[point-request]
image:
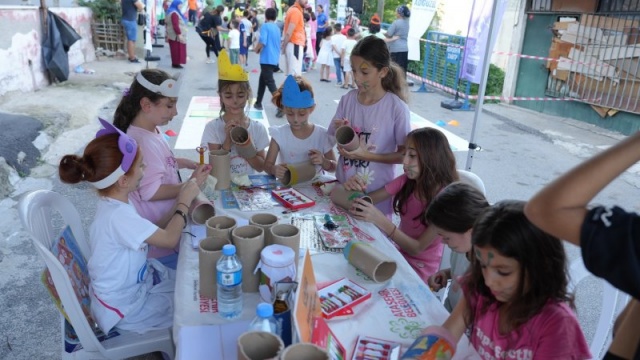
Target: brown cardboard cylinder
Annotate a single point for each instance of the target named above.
(209, 253)
(221, 168)
(304, 351)
(347, 138)
(259, 345)
(249, 241)
(265, 221)
(373, 263)
(220, 226)
(344, 198)
(287, 235)
(298, 173)
(244, 144)
(201, 209)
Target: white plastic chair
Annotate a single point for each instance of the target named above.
(612, 298)
(36, 209)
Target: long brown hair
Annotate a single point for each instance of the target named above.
(437, 168)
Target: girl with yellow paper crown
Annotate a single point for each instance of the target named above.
(234, 91)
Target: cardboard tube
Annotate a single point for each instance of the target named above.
(304, 351)
(347, 138)
(259, 345)
(265, 221)
(244, 144)
(287, 235)
(298, 173)
(370, 261)
(209, 253)
(220, 168)
(249, 241)
(220, 226)
(344, 198)
(201, 209)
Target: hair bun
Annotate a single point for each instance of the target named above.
(403, 10)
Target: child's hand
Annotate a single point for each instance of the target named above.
(316, 157)
(364, 210)
(358, 154)
(340, 122)
(280, 170)
(437, 281)
(188, 191)
(200, 174)
(355, 183)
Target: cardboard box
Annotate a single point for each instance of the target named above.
(339, 295)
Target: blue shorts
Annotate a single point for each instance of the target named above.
(244, 50)
(130, 29)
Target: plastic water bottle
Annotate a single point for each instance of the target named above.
(229, 276)
(264, 320)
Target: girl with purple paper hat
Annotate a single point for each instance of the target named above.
(128, 290)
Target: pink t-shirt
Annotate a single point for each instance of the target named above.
(383, 127)
(161, 168)
(428, 262)
(553, 333)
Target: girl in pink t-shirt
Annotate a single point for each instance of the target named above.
(515, 304)
(429, 165)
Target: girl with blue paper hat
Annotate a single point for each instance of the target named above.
(234, 91)
(299, 140)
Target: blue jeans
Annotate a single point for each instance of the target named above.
(336, 62)
(130, 29)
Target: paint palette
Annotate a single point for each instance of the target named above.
(368, 348)
(340, 295)
(292, 198)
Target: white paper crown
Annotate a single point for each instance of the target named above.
(168, 88)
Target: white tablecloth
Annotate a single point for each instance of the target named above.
(397, 310)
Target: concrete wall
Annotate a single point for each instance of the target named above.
(21, 64)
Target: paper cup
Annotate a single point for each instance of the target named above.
(210, 251)
(298, 173)
(201, 209)
(304, 351)
(287, 235)
(265, 221)
(242, 140)
(373, 263)
(249, 241)
(259, 345)
(347, 138)
(344, 198)
(221, 168)
(220, 226)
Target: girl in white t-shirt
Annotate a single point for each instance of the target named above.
(128, 291)
(299, 140)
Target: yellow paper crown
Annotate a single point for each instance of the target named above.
(228, 71)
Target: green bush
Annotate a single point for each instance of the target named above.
(495, 82)
(103, 9)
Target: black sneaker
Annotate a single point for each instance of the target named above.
(280, 113)
(134, 61)
(257, 106)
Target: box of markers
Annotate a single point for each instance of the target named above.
(292, 198)
(369, 348)
(340, 295)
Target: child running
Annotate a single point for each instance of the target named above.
(234, 91)
(150, 102)
(128, 291)
(378, 113)
(429, 165)
(299, 140)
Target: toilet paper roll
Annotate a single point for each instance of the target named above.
(287, 235)
(201, 209)
(259, 345)
(221, 168)
(265, 221)
(298, 173)
(304, 351)
(244, 144)
(347, 138)
(373, 263)
(249, 241)
(220, 226)
(344, 198)
(210, 251)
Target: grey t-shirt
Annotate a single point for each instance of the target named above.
(129, 10)
(399, 27)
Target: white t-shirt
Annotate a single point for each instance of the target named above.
(294, 150)
(234, 39)
(120, 280)
(337, 40)
(214, 134)
(348, 46)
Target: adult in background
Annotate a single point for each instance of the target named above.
(268, 47)
(177, 34)
(130, 10)
(207, 31)
(294, 37)
(322, 24)
(193, 11)
(245, 37)
(218, 24)
(396, 38)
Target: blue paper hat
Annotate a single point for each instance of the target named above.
(292, 97)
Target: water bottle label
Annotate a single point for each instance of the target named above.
(230, 279)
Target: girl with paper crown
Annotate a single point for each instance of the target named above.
(128, 291)
(150, 102)
(234, 91)
(300, 140)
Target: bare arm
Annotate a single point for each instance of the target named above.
(257, 162)
(561, 206)
(362, 154)
(169, 236)
(456, 323)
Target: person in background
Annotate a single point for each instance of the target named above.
(177, 35)
(130, 10)
(345, 59)
(269, 49)
(396, 38)
(374, 26)
(207, 31)
(234, 42)
(608, 236)
(193, 11)
(245, 33)
(337, 39)
(323, 24)
(325, 56)
(313, 23)
(293, 39)
(221, 25)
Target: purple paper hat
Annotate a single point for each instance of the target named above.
(292, 97)
(128, 147)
